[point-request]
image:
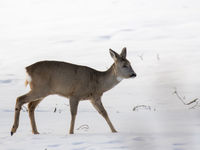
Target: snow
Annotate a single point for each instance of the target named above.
(162, 40)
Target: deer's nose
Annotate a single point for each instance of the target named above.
(133, 75)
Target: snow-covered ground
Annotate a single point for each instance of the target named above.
(163, 41)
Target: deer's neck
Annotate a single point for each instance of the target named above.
(109, 79)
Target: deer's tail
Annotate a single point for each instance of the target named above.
(28, 79)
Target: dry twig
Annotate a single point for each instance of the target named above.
(24, 109)
(182, 99)
(141, 56)
(84, 127)
(136, 108)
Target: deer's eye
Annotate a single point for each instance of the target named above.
(125, 66)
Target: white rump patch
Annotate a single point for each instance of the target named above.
(28, 77)
(119, 79)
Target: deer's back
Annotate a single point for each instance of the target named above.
(64, 79)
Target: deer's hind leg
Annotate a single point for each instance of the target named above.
(29, 97)
(31, 109)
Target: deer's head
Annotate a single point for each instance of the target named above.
(123, 68)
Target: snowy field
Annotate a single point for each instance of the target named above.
(163, 44)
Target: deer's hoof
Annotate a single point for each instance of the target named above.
(114, 131)
(36, 132)
(11, 133)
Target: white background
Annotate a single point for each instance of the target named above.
(162, 40)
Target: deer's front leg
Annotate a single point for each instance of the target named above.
(73, 108)
(99, 107)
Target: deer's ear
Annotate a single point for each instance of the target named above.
(123, 53)
(113, 54)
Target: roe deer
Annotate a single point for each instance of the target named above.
(74, 82)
